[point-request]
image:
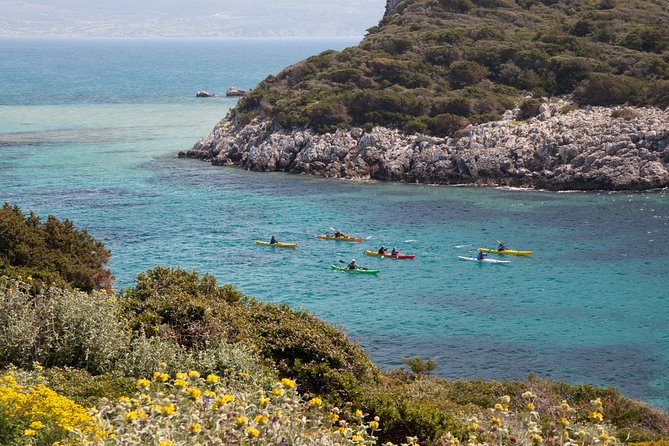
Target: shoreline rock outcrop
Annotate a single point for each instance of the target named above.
(594, 148)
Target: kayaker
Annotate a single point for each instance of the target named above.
(274, 241)
(353, 265)
(382, 250)
(481, 255)
(394, 251)
(339, 234)
(501, 246)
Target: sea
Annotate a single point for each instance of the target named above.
(90, 130)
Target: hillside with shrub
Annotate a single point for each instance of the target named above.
(436, 66)
(179, 359)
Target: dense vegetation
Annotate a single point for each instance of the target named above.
(63, 349)
(434, 66)
(51, 252)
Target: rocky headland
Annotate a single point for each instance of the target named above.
(562, 148)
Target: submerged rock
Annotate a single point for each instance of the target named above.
(584, 149)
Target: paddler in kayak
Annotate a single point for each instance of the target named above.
(273, 241)
(339, 234)
(382, 250)
(353, 265)
(501, 246)
(394, 251)
(481, 255)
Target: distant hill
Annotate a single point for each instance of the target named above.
(435, 66)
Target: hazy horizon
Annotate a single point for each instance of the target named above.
(196, 18)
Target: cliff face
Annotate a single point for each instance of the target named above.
(595, 148)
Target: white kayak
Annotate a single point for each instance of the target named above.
(473, 259)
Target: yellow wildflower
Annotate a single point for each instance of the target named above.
(341, 430)
(454, 441)
(597, 403)
(315, 401)
(596, 416)
(241, 420)
(277, 391)
(358, 413)
(36, 425)
(164, 377)
(530, 406)
(194, 374)
(261, 419)
(212, 378)
(29, 432)
(168, 409)
(565, 405)
(536, 439)
(564, 421)
(252, 432)
(506, 399)
(157, 375)
(473, 426)
(225, 399)
(145, 383)
(288, 382)
(130, 415)
(181, 375)
(334, 416)
(124, 399)
(166, 443)
(495, 421)
(264, 400)
(357, 438)
(194, 392)
(195, 428)
(374, 424)
(180, 383)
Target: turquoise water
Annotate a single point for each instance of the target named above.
(97, 143)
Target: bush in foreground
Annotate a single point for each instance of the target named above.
(51, 252)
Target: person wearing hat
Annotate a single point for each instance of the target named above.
(352, 265)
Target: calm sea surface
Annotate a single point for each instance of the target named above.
(89, 130)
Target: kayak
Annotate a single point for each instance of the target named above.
(278, 245)
(357, 270)
(393, 256)
(345, 239)
(473, 259)
(508, 251)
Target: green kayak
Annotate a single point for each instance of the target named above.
(357, 270)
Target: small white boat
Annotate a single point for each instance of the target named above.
(473, 259)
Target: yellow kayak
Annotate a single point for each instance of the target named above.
(278, 245)
(507, 251)
(345, 238)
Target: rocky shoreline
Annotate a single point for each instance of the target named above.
(563, 148)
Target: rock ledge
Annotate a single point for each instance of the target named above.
(610, 148)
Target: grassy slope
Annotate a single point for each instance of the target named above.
(435, 66)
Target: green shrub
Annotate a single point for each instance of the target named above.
(530, 107)
(196, 313)
(463, 73)
(53, 251)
